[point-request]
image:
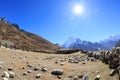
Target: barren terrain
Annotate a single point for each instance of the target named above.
(19, 60)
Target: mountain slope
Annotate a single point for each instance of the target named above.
(71, 41)
(22, 39)
(118, 44)
(111, 41)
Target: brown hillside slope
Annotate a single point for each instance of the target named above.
(24, 40)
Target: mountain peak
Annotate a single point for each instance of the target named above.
(71, 40)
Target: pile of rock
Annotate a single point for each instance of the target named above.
(112, 58)
(114, 62)
(95, 54)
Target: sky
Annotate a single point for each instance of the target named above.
(56, 20)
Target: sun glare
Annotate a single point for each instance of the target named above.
(78, 9)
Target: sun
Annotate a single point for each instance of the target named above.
(78, 9)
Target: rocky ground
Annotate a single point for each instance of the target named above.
(22, 65)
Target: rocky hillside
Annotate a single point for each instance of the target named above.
(118, 44)
(13, 35)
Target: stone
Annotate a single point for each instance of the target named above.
(29, 71)
(25, 73)
(10, 69)
(56, 62)
(70, 76)
(80, 76)
(1, 62)
(83, 63)
(22, 67)
(97, 71)
(71, 61)
(59, 76)
(29, 65)
(36, 68)
(118, 70)
(5, 74)
(4, 78)
(76, 62)
(61, 63)
(1, 66)
(75, 78)
(11, 74)
(86, 77)
(38, 75)
(112, 73)
(57, 72)
(93, 59)
(44, 69)
(97, 77)
(62, 60)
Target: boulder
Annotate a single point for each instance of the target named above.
(57, 72)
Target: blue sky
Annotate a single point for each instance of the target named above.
(55, 20)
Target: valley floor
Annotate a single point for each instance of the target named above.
(19, 60)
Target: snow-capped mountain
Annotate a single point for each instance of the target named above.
(111, 41)
(74, 42)
(71, 40)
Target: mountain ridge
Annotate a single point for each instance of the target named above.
(107, 44)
